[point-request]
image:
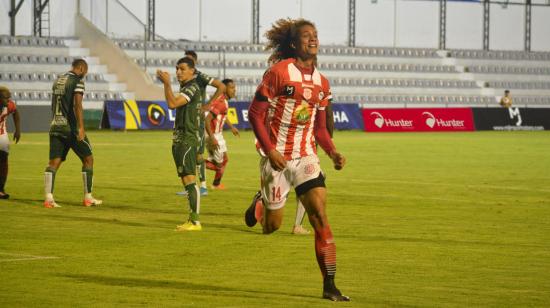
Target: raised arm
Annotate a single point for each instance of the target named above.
(172, 100)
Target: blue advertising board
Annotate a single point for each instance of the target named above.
(130, 115)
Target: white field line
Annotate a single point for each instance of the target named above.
(24, 257)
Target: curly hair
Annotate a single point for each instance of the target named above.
(282, 35)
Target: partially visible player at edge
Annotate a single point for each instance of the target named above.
(203, 81)
(67, 132)
(288, 116)
(7, 107)
(185, 139)
(215, 120)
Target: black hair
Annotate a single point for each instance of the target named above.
(79, 62)
(506, 91)
(190, 63)
(227, 81)
(192, 53)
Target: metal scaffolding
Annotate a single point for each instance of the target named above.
(151, 20)
(486, 23)
(351, 26)
(41, 17)
(442, 23)
(528, 25)
(255, 21)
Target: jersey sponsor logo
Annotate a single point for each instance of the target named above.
(309, 169)
(321, 95)
(307, 93)
(302, 114)
(156, 115)
(289, 90)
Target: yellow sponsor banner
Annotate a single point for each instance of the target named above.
(232, 115)
(131, 112)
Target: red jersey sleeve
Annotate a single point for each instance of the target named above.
(265, 92)
(11, 106)
(217, 105)
(327, 94)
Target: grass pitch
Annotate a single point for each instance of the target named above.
(448, 219)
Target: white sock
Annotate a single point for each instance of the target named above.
(300, 212)
(49, 196)
(88, 196)
(203, 184)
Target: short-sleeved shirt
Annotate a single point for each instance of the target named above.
(294, 98)
(186, 124)
(64, 88)
(7, 109)
(219, 112)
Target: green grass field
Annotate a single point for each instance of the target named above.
(448, 219)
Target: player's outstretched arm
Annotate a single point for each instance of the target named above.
(220, 89)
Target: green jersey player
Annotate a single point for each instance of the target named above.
(67, 132)
(187, 104)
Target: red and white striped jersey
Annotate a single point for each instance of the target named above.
(6, 110)
(294, 96)
(218, 109)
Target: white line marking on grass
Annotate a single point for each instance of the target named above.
(23, 257)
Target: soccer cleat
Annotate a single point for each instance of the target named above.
(330, 291)
(300, 230)
(218, 187)
(190, 226)
(203, 191)
(50, 204)
(250, 214)
(91, 202)
(3, 195)
(182, 193)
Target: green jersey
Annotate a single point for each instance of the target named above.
(203, 81)
(64, 89)
(186, 125)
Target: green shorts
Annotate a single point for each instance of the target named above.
(185, 157)
(60, 144)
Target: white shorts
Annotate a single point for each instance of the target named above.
(5, 143)
(217, 155)
(276, 184)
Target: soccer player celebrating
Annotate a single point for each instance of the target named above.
(203, 81)
(185, 136)
(67, 132)
(216, 118)
(288, 116)
(7, 107)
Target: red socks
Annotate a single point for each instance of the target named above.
(325, 250)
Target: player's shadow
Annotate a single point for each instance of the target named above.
(178, 285)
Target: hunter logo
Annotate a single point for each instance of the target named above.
(289, 90)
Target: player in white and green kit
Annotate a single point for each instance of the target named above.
(187, 104)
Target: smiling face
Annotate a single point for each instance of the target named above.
(230, 90)
(307, 44)
(184, 73)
